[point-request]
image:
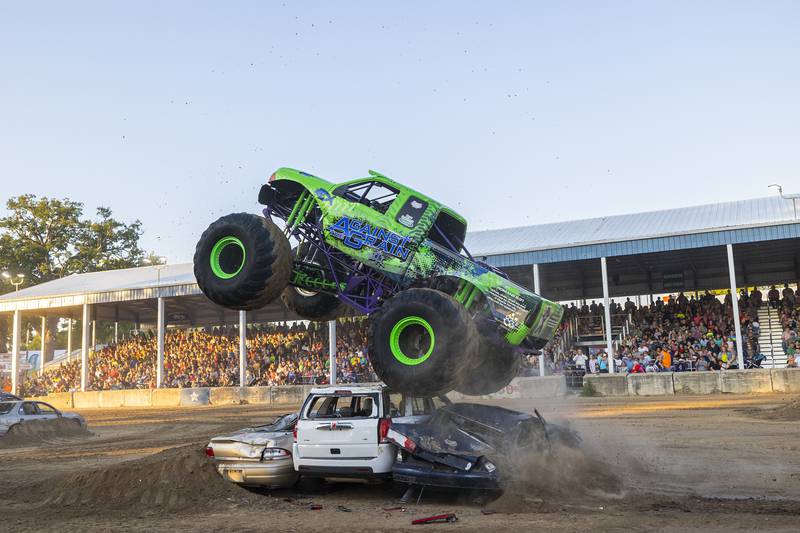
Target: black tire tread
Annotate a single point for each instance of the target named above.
(320, 307)
(461, 343)
(269, 273)
(496, 365)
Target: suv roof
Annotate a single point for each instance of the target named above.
(350, 388)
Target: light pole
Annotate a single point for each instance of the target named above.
(792, 197)
(16, 280)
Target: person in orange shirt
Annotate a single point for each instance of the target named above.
(666, 360)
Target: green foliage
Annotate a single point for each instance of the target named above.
(48, 238)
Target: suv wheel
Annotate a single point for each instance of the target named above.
(421, 342)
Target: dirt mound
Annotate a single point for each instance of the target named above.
(174, 479)
(543, 480)
(787, 412)
(38, 432)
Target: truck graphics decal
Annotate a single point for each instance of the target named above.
(356, 234)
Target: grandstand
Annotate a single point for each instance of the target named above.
(719, 246)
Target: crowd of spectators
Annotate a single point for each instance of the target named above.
(688, 333)
(677, 334)
(276, 355)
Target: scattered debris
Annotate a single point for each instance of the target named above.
(398, 508)
(343, 509)
(314, 507)
(435, 519)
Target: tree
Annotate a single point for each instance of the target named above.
(48, 238)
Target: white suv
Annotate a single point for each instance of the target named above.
(342, 430)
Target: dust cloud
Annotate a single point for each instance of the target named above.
(38, 432)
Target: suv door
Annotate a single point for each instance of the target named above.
(334, 426)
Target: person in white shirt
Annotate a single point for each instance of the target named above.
(580, 360)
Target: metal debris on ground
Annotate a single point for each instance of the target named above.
(344, 509)
(436, 519)
(315, 507)
(401, 509)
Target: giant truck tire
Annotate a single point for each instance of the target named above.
(496, 365)
(311, 305)
(242, 261)
(421, 342)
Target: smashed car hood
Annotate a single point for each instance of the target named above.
(253, 437)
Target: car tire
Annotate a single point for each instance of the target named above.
(311, 305)
(496, 365)
(421, 341)
(242, 261)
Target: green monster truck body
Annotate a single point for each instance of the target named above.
(440, 319)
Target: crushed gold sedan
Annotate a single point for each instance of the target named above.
(259, 456)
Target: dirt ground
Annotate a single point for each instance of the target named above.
(717, 463)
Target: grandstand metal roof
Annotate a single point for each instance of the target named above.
(673, 226)
(747, 221)
(106, 287)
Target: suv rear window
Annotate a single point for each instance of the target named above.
(326, 407)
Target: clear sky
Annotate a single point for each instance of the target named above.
(513, 113)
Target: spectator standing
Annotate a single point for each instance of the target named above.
(580, 360)
(774, 297)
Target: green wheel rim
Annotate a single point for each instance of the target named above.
(229, 271)
(397, 331)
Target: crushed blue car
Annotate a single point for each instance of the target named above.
(458, 445)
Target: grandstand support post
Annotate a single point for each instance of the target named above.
(160, 356)
(116, 332)
(735, 303)
(332, 350)
(69, 340)
(242, 348)
(43, 343)
(537, 290)
(15, 351)
(85, 347)
(607, 311)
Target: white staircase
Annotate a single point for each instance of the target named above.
(770, 338)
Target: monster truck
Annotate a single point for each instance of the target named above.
(440, 319)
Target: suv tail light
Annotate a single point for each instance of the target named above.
(209, 451)
(383, 429)
(294, 432)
